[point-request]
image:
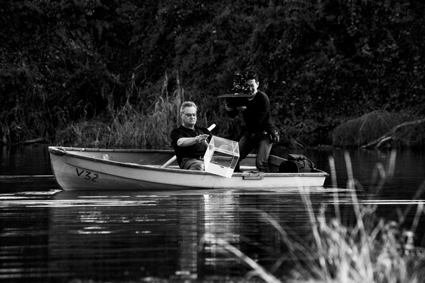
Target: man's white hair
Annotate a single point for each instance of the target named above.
(187, 104)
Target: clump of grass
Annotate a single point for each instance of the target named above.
(370, 250)
(84, 133)
(127, 128)
(362, 130)
(132, 129)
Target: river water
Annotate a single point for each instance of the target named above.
(48, 235)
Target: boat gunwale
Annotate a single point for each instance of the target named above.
(89, 149)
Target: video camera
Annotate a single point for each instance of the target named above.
(239, 85)
(238, 94)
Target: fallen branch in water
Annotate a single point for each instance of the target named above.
(390, 136)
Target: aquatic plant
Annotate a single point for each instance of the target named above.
(371, 249)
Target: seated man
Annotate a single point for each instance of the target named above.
(190, 141)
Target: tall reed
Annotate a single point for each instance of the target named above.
(371, 249)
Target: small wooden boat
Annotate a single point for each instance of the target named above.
(124, 169)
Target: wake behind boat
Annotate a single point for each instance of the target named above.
(85, 169)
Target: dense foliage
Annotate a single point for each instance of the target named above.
(321, 62)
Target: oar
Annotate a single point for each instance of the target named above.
(172, 159)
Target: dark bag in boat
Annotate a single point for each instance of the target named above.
(296, 163)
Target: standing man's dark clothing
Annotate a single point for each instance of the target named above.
(260, 130)
(256, 115)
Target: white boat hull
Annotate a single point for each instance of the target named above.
(87, 169)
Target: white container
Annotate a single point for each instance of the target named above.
(221, 156)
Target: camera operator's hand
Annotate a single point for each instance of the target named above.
(241, 108)
(228, 108)
(274, 135)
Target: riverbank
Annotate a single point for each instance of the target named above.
(127, 127)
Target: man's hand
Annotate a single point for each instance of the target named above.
(201, 138)
(274, 135)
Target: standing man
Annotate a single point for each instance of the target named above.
(260, 131)
(190, 141)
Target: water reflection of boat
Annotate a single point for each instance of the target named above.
(120, 169)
